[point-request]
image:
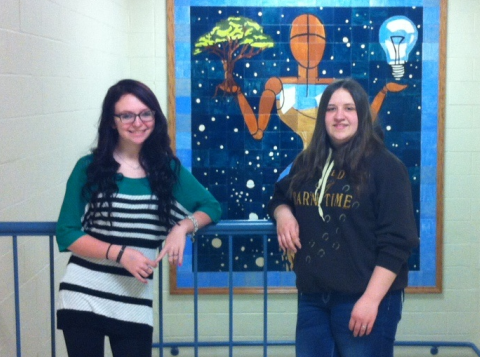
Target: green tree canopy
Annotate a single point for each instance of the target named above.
(233, 39)
(234, 34)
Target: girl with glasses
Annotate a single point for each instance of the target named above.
(125, 200)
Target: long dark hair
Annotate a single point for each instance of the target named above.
(349, 156)
(156, 155)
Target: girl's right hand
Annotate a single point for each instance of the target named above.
(287, 229)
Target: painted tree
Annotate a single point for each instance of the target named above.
(232, 40)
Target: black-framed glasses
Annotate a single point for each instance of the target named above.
(128, 117)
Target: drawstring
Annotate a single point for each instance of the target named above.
(320, 189)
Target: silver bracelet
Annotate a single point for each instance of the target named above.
(195, 225)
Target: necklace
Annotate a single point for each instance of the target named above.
(138, 167)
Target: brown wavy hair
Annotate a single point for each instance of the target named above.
(349, 156)
(156, 156)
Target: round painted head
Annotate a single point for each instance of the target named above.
(307, 40)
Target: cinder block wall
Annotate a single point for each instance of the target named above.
(57, 59)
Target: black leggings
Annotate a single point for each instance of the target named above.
(83, 342)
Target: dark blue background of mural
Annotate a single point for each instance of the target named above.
(225, 156)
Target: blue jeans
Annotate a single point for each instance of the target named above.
(322, 326)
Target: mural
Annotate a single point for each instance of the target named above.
(255, 78)
(235, 69)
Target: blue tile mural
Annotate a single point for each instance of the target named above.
(238, 146)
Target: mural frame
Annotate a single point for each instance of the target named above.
(429, 279)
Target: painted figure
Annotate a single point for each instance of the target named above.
(297, 98)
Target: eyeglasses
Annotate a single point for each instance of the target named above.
(128, 118)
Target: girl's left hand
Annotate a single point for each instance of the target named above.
(365, 310)
(174, 245)
(363, 316)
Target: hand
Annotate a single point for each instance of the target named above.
(287, 229)
(229, 87)
(174, 245)
(365, 310)
(137, 264)
(395, 87)
(363, 316)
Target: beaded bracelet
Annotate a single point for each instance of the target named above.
(120, 253)
(195, 225)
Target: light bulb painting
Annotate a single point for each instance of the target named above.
(398, 36)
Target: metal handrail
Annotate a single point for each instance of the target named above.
(229, 228)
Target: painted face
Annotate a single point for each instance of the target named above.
(136, 132)
(341, 118)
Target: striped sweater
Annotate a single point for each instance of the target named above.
(100, 293)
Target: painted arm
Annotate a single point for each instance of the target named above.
(380, 97)
(267, 101)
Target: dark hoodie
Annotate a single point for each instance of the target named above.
(358, 231)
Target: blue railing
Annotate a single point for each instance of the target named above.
(225, 228)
